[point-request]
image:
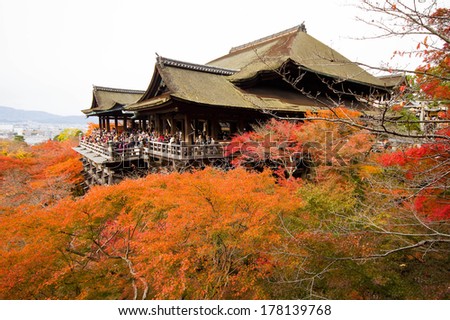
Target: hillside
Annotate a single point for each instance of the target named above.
(356, 228)
(11, 115)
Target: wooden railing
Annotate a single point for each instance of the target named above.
(112, 153)
(183, 151)
(96, 148)
(163, 150)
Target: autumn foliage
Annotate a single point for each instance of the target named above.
(214, 234)
(425, 171)
(296, 149)
(308, 211)
(167, 237)
(434, 73)
(38, 175)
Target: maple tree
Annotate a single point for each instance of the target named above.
(294, 149)
(14, 160)
(375, 210)
(428, 25)
(38, 175)
(32, 178)
(91, 128)
(68, 134)
(415, 178)
(167, 236)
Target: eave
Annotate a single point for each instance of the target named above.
(149, 103)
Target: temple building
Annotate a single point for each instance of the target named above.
(107, 105)
(284, 74)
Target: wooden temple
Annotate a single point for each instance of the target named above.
(284, 74)
(108, 105)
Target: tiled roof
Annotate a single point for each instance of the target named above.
(196, 67)
(218, 83)
(272, 52)
(105, 98)
(118, 90)
(211, 89)
(269, 38)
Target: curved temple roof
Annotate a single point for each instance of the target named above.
(206, 85)
(106, 99)
(296, 45)
(218, 83)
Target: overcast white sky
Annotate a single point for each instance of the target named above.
(53, 51)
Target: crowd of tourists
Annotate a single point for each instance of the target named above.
(137, 138)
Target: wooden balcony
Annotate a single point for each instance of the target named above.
(184, 152)
(153, 150)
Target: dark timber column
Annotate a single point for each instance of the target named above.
(214, 128)
(187, 129)
(100, 124)
(148, 126)
(172, 125)
(164, 124)
(125, 119)
(116, 123)
(158, 124)
(108, 126)
(241, 125)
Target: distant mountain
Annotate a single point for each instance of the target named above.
(11, 115)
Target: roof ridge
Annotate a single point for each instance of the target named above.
(119, 90)
(300, 27)
(194, 66)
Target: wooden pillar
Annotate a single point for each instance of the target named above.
(116, 123)
(172, 127)
(103, 177)
(164, 124)
(108, 125)
(125, 119)
(187, 129)
(241, 125)
(208, 127)
(158, 124)
(214, 128)
(100, 123)
(110, 176)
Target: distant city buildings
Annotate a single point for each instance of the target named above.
(35, 132)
